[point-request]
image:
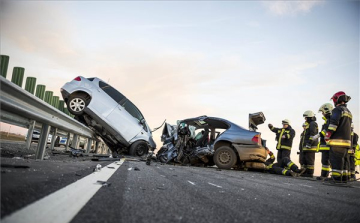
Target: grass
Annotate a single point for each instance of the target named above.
(11, 136)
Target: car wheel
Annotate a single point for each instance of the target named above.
(163, 159)
(77, 103)
(225, 157)
(139, 149)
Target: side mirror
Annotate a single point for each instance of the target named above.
(142, 121)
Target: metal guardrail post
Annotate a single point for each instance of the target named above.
(29, 135)
(67, 141)
(53, 139)
(97, 143)
(4, 63)
(75, 141)
(40, 152)
(89, 144)
(30, 84)
(40, 91)
(18, 76)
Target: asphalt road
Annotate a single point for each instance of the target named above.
(165, 193)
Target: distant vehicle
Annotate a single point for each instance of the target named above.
(110, 114)
(36, 137)
(221, 141)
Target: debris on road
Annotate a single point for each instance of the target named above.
(104, 183)
(97, 168)
(111, 167)
(14, 166)
(76, 152)
(136, 169)
(105, 159)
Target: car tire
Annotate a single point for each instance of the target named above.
(139, 148)
(163, 159)
(77, 103)
(225, 157)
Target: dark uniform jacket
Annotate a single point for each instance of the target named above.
(309, 144)
(354, 142)
(324, 128)
(340, 126)
(289, 134)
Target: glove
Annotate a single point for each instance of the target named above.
(308, 146)
(270, 126)
(327, 137)
(315, 137)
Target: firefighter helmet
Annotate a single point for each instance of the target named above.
(326, 108)
(340, 97)
(286, 122)
(308, 114)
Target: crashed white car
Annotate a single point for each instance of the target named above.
(110, 114)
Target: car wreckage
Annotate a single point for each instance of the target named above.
(208, 141)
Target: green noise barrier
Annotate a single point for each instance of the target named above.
(18, 76)
(48, 97)
(4, 64)
(55, 101)
(30, 84)
(61, 105)
(40, 91)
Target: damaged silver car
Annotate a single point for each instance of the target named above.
(218, 141)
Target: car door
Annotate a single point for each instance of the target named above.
(105, 99)
(125, 118)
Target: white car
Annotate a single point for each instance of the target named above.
(110, 114)
(36, 136)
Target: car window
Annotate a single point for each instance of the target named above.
(112, 92)
(134, 111)
(91, 79)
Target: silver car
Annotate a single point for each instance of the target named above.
(233, 145)
(110, 114)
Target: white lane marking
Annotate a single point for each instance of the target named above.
(215, 185)
(191, 182)
(63, 205)
(304, 185)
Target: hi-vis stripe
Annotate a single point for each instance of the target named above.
(346, 114)
(339, 142)
(332, 127)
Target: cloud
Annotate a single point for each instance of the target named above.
(292, 8)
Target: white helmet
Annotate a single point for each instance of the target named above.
(326, 108)
(286, 122)
(309, 114)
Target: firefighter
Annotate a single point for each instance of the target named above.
(284, 137)
(338, 136)
(354, 140)
(310, 142)
(325, 109)
(286, 167)
(357, 152)
(301, 154)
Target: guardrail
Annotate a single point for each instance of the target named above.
(21, 108)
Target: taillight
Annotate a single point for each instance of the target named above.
(77, 79)
(257, 139)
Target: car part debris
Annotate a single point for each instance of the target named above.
(104, 183)
(76, 152)
(14, 166)
(97, 168)
(105, 159)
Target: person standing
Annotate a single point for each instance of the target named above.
(284, 138)
(354, 146)
(310, 143)
(301, 153)
(325, 109)
(338, 136)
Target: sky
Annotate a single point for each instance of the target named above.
(182, 59)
